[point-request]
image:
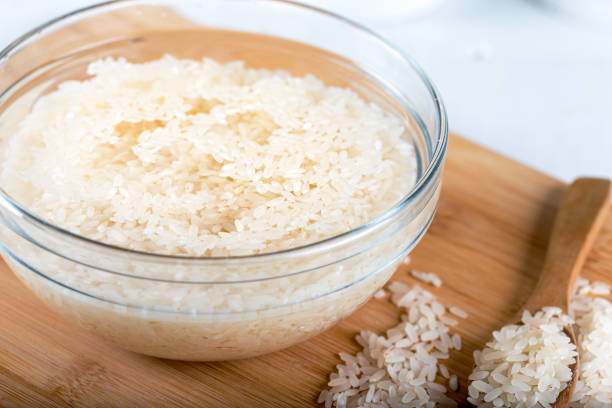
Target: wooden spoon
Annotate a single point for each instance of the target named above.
(579, 219)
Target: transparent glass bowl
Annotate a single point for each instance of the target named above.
(217, 308)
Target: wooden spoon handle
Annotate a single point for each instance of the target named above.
(579, 219)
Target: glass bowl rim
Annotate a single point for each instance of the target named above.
(437, 157)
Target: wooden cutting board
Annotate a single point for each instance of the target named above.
(487, 243)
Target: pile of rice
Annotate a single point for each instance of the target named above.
(399, 369)
(594, 335)
(201, 158)
(525, 365)
(529, 365)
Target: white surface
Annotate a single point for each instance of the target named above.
(531, 79)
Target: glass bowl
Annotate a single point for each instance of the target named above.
(218, 308)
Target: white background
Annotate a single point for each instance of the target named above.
(531, 79)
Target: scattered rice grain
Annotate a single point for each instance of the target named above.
(426, 277)
(400, 368)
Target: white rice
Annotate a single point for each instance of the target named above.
(426, 277)
(458, 312)
(453, 383)
(381, 293)
(594, 335)
(525, 365)
(399, 368)
(593, 326)
(201, 158)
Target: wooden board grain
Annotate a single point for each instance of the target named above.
(487, 243)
